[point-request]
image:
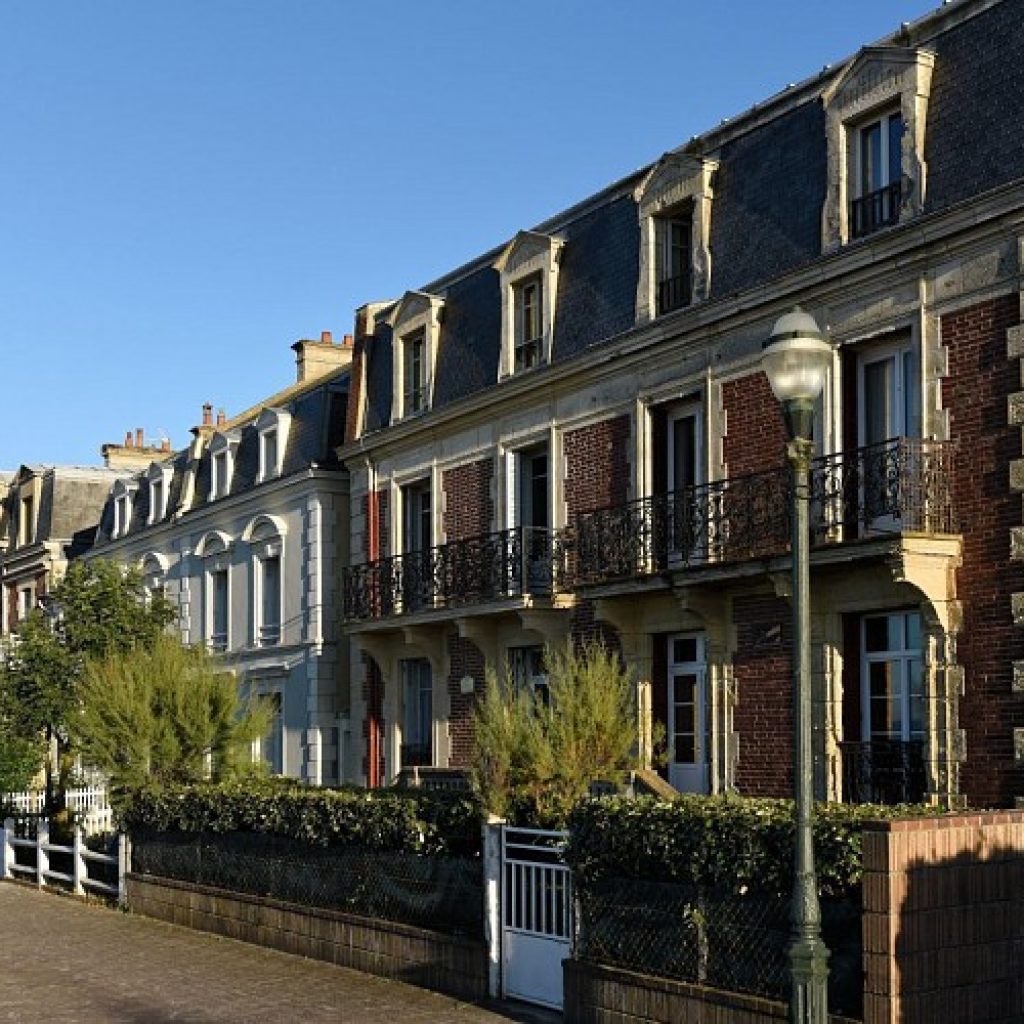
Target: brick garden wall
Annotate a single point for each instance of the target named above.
(975, 392)
(943, 920)
(755, 437)
(468, 500)
(465, 658)
(597, 466)
(763, 715)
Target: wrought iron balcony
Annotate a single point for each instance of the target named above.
(876, 210)
(510, 563)
(673, 293)
(899, 486)
(883, 772)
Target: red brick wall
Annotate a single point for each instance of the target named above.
(584, 628)
(597, 467)
(943, 919)
(465, 659)
(468, 500)
(755, 437)
(764, 690)
(975, 393)
(355, 394)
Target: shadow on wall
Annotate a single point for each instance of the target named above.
(959, 944)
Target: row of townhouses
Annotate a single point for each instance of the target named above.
(571, 437)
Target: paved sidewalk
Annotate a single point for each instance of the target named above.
(66, 962)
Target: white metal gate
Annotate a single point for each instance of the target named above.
(536, 915)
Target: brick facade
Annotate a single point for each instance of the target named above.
(468, 491)
(975, 392)
(597, 468)
(763, 717)
(755, 434)
(584, 628)
(373, 721)
(465, 659)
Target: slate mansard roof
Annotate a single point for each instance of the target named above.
(317, 426)
(769, 186)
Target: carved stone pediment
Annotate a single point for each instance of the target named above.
(526, 247)
(877, 73)
(673, 179)
(412, 306)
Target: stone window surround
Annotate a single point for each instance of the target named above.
(124, 497)
(878, 80)
(271, 421)
(215, 551)
(222, 445)
(416, 312)
(529, 254)
(677, 178)
(158, 473)
(265, 536)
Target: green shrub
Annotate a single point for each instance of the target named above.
(407, 820)
(726, 842)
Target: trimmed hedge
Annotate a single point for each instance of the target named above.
(414, 821)
(741, 844)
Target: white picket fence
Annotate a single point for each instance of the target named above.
(89, 806)
(80, 879)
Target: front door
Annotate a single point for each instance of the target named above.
(687, 713)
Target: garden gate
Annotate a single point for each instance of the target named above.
(536, 914)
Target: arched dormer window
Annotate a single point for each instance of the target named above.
(123, 493)
(272, 426)
(215, 551)
(528, 268)
(415, 326)
(223, 447)
(265, 536)
(158, 478)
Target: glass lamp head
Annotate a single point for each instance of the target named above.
(796, 359)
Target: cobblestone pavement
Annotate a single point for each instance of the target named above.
(66, 962)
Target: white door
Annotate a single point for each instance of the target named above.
(687, 713)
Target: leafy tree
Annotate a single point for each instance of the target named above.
(19, 759)
(166, 714)
(98, 608)
(536, 758)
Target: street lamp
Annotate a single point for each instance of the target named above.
(796, 359)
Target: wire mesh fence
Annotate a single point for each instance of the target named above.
(441, 893)
(721, 939)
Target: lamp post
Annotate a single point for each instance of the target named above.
(796, 359)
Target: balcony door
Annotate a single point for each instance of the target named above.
(888, 408)
(530, 513)
(416, 545)
(687, 713)
(686, 512)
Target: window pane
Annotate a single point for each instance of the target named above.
(871, 158)
(876, 633)
(878, 392)
(913, 631)
(684, 650)
(895, 147)
(685, 748)
(883, 680)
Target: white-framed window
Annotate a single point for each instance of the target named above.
(26, 520)
(26, 601)
(528, 671)
(217, 610)
(159, 477)
(876, 111)
(414, 352)
(272, 426)
(154, 575)
(270, 747)
(416, 327)
(269, 596)
(892, 691)
(876, 190)
(528, 268)
(417, 712)
(674, 207)
(124, 499)
(222, 464)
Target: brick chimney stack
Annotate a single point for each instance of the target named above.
(207, 414)
(315, 359)
(221, 418)
(134, 453)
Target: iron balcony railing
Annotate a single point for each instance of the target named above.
(902, 485)
(883, 772)
(878, 209)
(510, 563)
(673, 293)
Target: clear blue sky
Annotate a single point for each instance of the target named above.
(188, 186)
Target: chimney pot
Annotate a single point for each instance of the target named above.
(165, 444)
(325, 338)
(221, 418)
(347, 340)
(207, 414)
(140, 438)
(127, 439)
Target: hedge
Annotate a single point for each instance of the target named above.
(415, 821)
(741, 844)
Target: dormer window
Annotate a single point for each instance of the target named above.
(529, 286)
(26, 520)
(527, 300)
(875, 115)
(674, 207)
(272, 426)
(416, 327)
(124, 493)
(159, 477)
(222, 464)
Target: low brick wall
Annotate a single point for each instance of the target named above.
(445, 963)
(595, 994)
(944, 920)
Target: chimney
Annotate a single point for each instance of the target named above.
(221, 418)
(127, 439)
(165, 444)
(140, 438)
(314, 359)
(134, 453)
(207, 414)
